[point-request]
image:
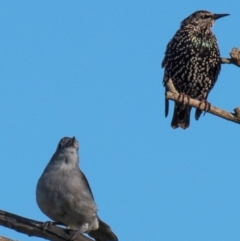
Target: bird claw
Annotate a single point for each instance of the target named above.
(46, 225)
(207, 105)
(184, 99)
(49, 223)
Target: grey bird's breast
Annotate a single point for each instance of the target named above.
(63, 196)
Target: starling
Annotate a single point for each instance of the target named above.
(192, 62)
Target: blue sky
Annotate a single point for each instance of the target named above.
(91, 69)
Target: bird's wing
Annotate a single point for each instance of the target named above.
(85, 182)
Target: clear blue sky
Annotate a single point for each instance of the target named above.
(91, 69)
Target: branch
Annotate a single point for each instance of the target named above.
(235, 57)
(38, 229)
(234, 117)
(5, 239)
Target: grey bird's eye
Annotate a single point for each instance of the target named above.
(59, 146)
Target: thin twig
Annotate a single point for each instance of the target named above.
(5, 239)
(235, 57)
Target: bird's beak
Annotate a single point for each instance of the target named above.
(217, 16)
(73, 140)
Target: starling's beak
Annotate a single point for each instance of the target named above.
(217, 16)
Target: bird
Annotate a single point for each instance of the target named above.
(192, 62)
(64, 194)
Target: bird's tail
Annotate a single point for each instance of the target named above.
(181, 116)
(103, 233)
(198, 114)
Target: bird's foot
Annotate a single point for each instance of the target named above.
(46, 225)
(183, 98)
(49, 223)
(207, 105)
(82, 230)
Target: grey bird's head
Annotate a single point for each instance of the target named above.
(202, 19)
(67, 142)
(67, 151)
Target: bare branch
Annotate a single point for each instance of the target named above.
(234, 117)
(235, 57)
(35, 228)
(5, 239)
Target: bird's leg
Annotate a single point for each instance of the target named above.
(207, 105)
(82, 230)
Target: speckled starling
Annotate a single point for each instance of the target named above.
(192, 62)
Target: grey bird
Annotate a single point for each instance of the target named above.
(192, 61)
(64, 195)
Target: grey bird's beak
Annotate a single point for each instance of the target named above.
(217, 16)
(73, 140)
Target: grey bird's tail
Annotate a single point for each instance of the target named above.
(103, 233)
(181, 116)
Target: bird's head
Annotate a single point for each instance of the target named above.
(67, 142)
(202, 19)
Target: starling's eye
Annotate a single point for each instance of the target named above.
(59, 146)
(204, 16)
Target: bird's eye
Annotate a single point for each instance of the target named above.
(59, 146)
(204, 16)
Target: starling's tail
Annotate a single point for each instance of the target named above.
(103, 233)
(181, 116)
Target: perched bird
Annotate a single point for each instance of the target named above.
(64, 195)
(192, 61)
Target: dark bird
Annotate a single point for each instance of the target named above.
(64, 195)
(192, 62)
